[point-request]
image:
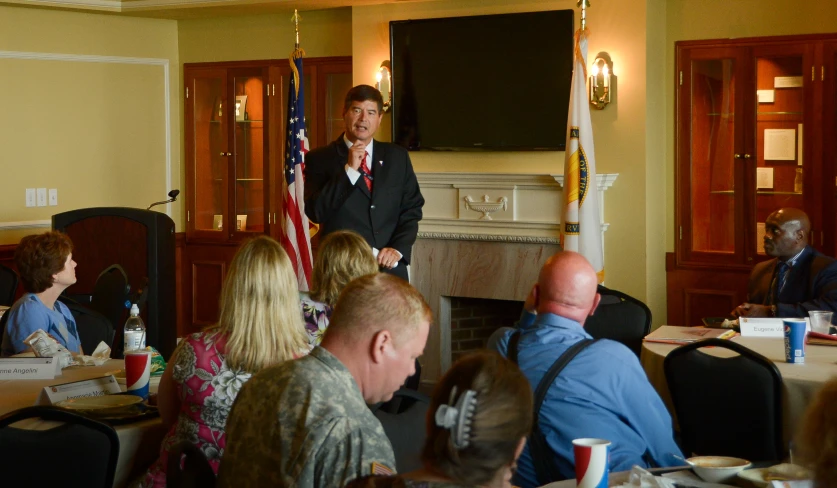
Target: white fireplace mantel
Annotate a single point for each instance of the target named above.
(497, 206)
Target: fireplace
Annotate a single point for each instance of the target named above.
(473, 320)
(483, 237)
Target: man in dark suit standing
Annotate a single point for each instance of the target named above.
(799, 278)
(364, 185)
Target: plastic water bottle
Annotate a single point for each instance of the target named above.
(134, 333)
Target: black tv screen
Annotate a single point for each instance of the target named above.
(491, 82)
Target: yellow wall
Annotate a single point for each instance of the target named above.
(620, 130)
(322, 33)
(94, 131)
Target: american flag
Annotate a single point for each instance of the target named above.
(295, 237)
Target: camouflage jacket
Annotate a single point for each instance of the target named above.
(302, 423)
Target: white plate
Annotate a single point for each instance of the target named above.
(100, 403)
(755, 476)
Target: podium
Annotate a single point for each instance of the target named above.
(142, 242)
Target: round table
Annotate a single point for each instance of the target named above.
(801, 381)
(139, 442)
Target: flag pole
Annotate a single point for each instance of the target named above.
(298, 52)
(583, 4)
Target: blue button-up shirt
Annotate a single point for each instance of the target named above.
(602, 393)
(30, 314)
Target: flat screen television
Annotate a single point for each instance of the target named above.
(491, 82)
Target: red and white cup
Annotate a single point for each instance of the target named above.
(138, 372)
(592, 457)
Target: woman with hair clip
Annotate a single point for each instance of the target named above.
(343, 256)
(479, 417)
(259, 326)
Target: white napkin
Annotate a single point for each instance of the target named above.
(100, 355)
(792, 484)
(643, 479)
(375, 252)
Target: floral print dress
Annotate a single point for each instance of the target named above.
(207, 390)
(316, 316)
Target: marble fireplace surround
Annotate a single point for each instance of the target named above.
(468, 249)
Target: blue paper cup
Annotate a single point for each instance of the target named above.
(794, 340)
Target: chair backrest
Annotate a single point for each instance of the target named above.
(8, 285)
(109, 295)
(81, 452)
(188, 468)
(403, 420)
(621, 318)
(726, 406)
(93, 327)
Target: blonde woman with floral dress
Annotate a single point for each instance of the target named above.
(343, 256)
(259, 326)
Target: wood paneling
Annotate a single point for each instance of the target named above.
(203, 271)
(697, 292)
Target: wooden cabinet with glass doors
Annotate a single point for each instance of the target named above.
(750, 140)
(234, 144)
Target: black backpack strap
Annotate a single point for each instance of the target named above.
(539, 449)
(511, 349)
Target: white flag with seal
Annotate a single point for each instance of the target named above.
(581, 229)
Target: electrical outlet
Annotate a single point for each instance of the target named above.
(42, 197)
(53, 197)
(30, 197)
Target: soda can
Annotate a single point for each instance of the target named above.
(794, 340)
(592, 457)
(138, 372)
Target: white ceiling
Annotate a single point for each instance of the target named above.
(189, 9)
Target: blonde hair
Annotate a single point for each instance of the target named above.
(376, 302)
(817, 440)
(260, 313)
(503, 416)
(343, 256)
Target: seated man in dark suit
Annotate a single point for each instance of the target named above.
(799, 278)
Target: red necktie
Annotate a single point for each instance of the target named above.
(367, 175)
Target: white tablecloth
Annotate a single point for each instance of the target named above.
(801, 381)
(139, 443)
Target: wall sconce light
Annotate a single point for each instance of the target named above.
(384, 83)
(601, 82)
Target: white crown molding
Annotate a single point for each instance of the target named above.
(91, 58)
(25, 224)
(489, 238)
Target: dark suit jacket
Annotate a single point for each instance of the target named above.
(811, 284)
(388, 217)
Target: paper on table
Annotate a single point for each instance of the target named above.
(100, 355)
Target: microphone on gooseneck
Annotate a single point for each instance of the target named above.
(172, 198)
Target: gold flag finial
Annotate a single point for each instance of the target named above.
(296, 18)
(584, 4)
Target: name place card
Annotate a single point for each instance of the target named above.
(28, 368)
(761, 327)
(101, 386)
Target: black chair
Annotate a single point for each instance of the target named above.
(8, 285)
(726, 406)
(80, 452)
(621, 318)
(110, 293)
(188, 468)
(403, 420)
(93, 327)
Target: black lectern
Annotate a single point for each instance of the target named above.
(142, 242)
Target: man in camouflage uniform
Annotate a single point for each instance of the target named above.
(306, 422)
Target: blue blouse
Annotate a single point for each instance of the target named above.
(30, 314)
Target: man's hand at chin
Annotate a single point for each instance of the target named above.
(752, 310)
